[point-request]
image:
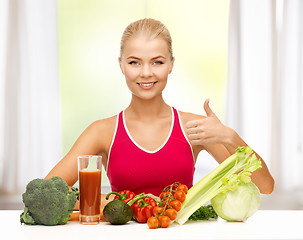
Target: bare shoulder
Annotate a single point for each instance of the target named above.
(104, 128)
(187, 116)
(94, 140)
(105, 124)
(101, 132)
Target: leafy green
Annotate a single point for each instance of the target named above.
(234, 170)
(204, 213)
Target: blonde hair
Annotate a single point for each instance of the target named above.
(151, 27)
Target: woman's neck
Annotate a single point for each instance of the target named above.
(147, 109)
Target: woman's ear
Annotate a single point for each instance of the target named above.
(172, 65)
(120, 64)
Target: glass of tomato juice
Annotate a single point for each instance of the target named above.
(89, 167)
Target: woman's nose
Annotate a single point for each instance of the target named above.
(146, 71)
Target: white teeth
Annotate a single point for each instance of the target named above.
(146, 84)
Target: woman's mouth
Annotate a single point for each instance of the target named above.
(147, 85)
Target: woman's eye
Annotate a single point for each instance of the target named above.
(133, 63)
(158, 63)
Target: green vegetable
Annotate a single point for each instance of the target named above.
(204, 213)
(26, 218)
(234, 170)
(237, 205)
(47, 202)
(117, 212)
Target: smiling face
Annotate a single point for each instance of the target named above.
(146, 63)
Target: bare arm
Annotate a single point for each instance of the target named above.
(95, 140)
(221, 141)
(262, 177)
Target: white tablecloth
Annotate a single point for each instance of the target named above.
(266, 224)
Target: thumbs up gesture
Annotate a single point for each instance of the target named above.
(208, 130)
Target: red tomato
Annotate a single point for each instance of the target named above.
(176, 204)
(171, 213)
(180, 195)
(166, 201)
(152, 222)
(165, 195)
(183, 187)
(162, 195)
(164, 221)
(157, 210)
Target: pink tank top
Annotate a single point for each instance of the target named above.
(132, 167)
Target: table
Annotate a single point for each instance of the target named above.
(265, 224)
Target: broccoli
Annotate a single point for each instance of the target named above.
(47, 202)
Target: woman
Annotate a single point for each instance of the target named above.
(150, 144)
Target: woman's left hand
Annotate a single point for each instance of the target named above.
(208, 130)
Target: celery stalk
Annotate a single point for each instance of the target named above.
(227, 176)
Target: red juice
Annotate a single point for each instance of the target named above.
(90, 192)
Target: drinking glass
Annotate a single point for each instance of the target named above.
(89, 167)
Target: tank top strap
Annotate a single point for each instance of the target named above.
(121, 131)
(178, 131)
(119, 134)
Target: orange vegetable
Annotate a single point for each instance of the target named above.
(176, 204)
(183, 188)
(164, 221)
(180, 195)
(158, 210)
(152, 222)
(171, 213)
(74, 216)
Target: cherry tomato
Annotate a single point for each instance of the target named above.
(171, 213)
(176, 204)
(164, 221)
(157, 210)
(167, 200)
(164, 195)
(183, 188)
(180, 195)
(152, 222)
